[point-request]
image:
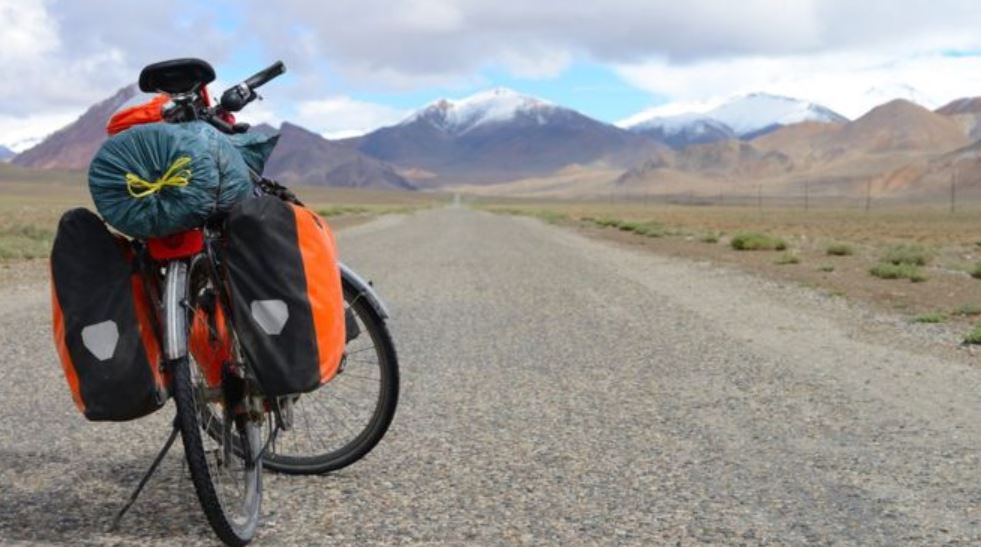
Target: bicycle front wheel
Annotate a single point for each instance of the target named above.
(228, 482)
(343, 420)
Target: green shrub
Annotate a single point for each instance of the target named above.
(709, 238)
(932, 317)
(976, 272)
(788, 258)
(649, 228)
(973, 337)
(887, 270)
(608, 222)
(840, 249)
(913, 255)
(752, 241)
(826, 268)
(968, 310)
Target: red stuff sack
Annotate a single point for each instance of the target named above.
(148, 112)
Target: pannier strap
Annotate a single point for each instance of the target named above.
(176, 175)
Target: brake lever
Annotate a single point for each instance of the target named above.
(237, 97)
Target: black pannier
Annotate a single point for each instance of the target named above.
(103, 322)
(287, 301)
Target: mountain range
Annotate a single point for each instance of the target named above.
(502, 142)
(496, 136)
(743, 117)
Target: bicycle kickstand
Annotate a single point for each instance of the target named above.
(146, 477)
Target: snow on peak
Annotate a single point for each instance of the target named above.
(758, 111)
(692, 122)
(744, 115)
(499, 104)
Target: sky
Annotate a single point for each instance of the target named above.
(353, 66)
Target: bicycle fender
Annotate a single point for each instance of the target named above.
(364, 289)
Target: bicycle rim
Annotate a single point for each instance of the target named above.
(228, 486)
(342, 421)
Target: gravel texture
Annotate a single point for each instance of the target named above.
(556, 390)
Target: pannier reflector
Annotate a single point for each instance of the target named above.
(270, 315)
(101, 339)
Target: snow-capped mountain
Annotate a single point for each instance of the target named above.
(744, 117)
(487, 107)
(6, 153)
(19, 146)
(496, 135)
(684, 129)
(757, 113)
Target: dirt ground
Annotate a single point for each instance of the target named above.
(953, 242)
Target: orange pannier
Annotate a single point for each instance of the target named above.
(148, 112)
(287, 303)
(104, 322)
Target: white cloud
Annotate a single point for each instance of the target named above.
(850, 83)
(28, 31)
(413, 44)
(341, 116)
(20, 132)
(64, 55)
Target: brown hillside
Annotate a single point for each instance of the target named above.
(966, 113)
(304, 157)
(73, 146)
(965, 105)
(796, 140)
(898, 125)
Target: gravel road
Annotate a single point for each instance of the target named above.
(556, 390)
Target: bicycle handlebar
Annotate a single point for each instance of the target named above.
(237, 97)
(266, 74)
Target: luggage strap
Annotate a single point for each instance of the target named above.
(177, 175)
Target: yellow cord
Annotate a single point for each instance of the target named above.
(176, 175)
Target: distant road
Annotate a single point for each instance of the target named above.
(557, 390)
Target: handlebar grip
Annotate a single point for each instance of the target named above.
(263, 76)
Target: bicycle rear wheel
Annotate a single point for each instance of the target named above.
(343, 420)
